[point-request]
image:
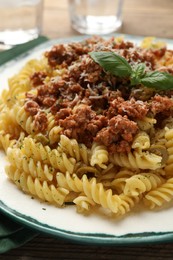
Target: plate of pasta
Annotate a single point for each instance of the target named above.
(86, 138)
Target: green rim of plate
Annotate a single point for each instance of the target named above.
(89, 238)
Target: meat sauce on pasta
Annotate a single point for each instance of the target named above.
(73, 132)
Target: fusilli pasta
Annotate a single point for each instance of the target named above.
(74, 132)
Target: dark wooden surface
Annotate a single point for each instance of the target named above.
(47, 247)
(149, 17)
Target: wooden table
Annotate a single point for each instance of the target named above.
(149, 17)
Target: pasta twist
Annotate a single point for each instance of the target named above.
(54, 134)
(17, 85)
(6, 141)
(52, 131)
(147, 123)
(96, 192)
(158, 137)
(160, 196)
(28, 165)
(169, 146)
(91, 189)
(70, 182)
(35, 65)
(83, 203)
(35, 187)
(141, 141)
(107, 176)
(8, 124)
(127, 203)
(118, 184)
(50, 156)
(23, 119)
(141, 183)
(116, 180)
(71, 147)
(137, 160)
(61, 161)
(28, 124)
(5, 98)
(99, 155)
(81, 168)
(37, 150)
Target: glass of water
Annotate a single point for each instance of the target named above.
(20, 21)
(96, 16)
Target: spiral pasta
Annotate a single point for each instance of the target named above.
(54, 134)
(8, 124)
(146, 124)
(119, 180)
(42, 190)
(83, 203)
(99, 155)
(39, 152)
(27, 164)
(91, 189)
(23, 119)
(71, 147)
(169, 146)
(127, 203)
(74, 133)
(141, 141)
(159, 196)
(72, 183)
(6, 141)
(142, 183)
(137, 160)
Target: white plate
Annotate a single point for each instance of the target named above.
(140, 226)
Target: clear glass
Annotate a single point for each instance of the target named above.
(20, 20)
(96, 16)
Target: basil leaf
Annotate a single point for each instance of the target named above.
(112, 63)
(159, 80)
(139, 70)
(137, 73)
(118, 66)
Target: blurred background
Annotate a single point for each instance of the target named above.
(24, 20)
(148, 18)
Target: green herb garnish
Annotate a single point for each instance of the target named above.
(113, 63)
(118, 66)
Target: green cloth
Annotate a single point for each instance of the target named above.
(12, 53)
(13, 234)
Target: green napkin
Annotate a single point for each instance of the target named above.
(16, 240)
(13, 234)
(19, 235)
(8, 227)
(20, 49)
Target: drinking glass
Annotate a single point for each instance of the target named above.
(20, 21)
(96, 16)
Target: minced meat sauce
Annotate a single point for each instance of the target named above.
(91, 105)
